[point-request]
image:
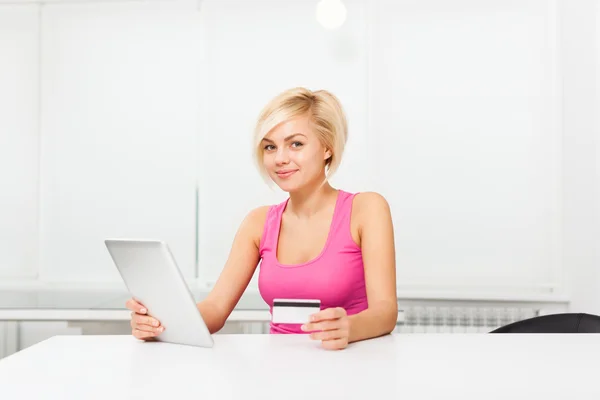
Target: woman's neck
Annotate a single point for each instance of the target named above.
(311, 201)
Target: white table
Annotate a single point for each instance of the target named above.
(405, 366)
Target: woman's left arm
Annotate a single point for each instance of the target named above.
(379, 258)
(376, 234)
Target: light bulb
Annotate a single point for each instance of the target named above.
(331, 13)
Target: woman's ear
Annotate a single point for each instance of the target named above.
(327, 154)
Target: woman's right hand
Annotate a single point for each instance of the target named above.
(143, 326)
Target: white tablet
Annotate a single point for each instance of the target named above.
(152, 277)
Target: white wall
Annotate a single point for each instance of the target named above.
(19, 153)
(480, 186)
(581, 46)
(455, 108)
(120, 103)
(465, 108)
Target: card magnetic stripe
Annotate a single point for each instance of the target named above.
(294, 304)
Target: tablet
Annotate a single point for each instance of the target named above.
(152, 277)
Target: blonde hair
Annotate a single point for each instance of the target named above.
(326, 116)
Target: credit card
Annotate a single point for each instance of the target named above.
(294, 311)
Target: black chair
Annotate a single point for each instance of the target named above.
(554, 323)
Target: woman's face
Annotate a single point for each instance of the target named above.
(293, 155)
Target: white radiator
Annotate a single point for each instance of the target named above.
(439, 319)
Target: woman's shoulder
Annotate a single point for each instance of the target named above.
(253, 223)
(257, 216)
(368, 200)
(369, 205)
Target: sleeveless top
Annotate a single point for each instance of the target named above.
(336, 276)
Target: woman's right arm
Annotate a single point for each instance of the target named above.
(237, 272)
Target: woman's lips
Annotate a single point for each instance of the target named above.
(286, 173)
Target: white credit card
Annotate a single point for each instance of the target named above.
(294, 311)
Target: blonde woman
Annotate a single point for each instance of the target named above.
(321, 243)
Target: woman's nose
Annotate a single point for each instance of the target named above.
(281, 157)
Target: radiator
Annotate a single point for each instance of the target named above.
(474, 319)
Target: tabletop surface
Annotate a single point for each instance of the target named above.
(410, 366)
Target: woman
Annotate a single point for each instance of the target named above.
(321, 243)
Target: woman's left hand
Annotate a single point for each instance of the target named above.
(331, 326)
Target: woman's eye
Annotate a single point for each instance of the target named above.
(296, 144)
(269, 147)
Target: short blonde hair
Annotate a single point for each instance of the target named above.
(325, 113)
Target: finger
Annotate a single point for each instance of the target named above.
(148, 328)
(147, 335)
(155, 331)
(143, 334)
(322, 326)
(327, 335)
(145, 323)
(328, 313)
(133, 305)
(337, 344)
(144, 320)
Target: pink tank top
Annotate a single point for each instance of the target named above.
(336, 276)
